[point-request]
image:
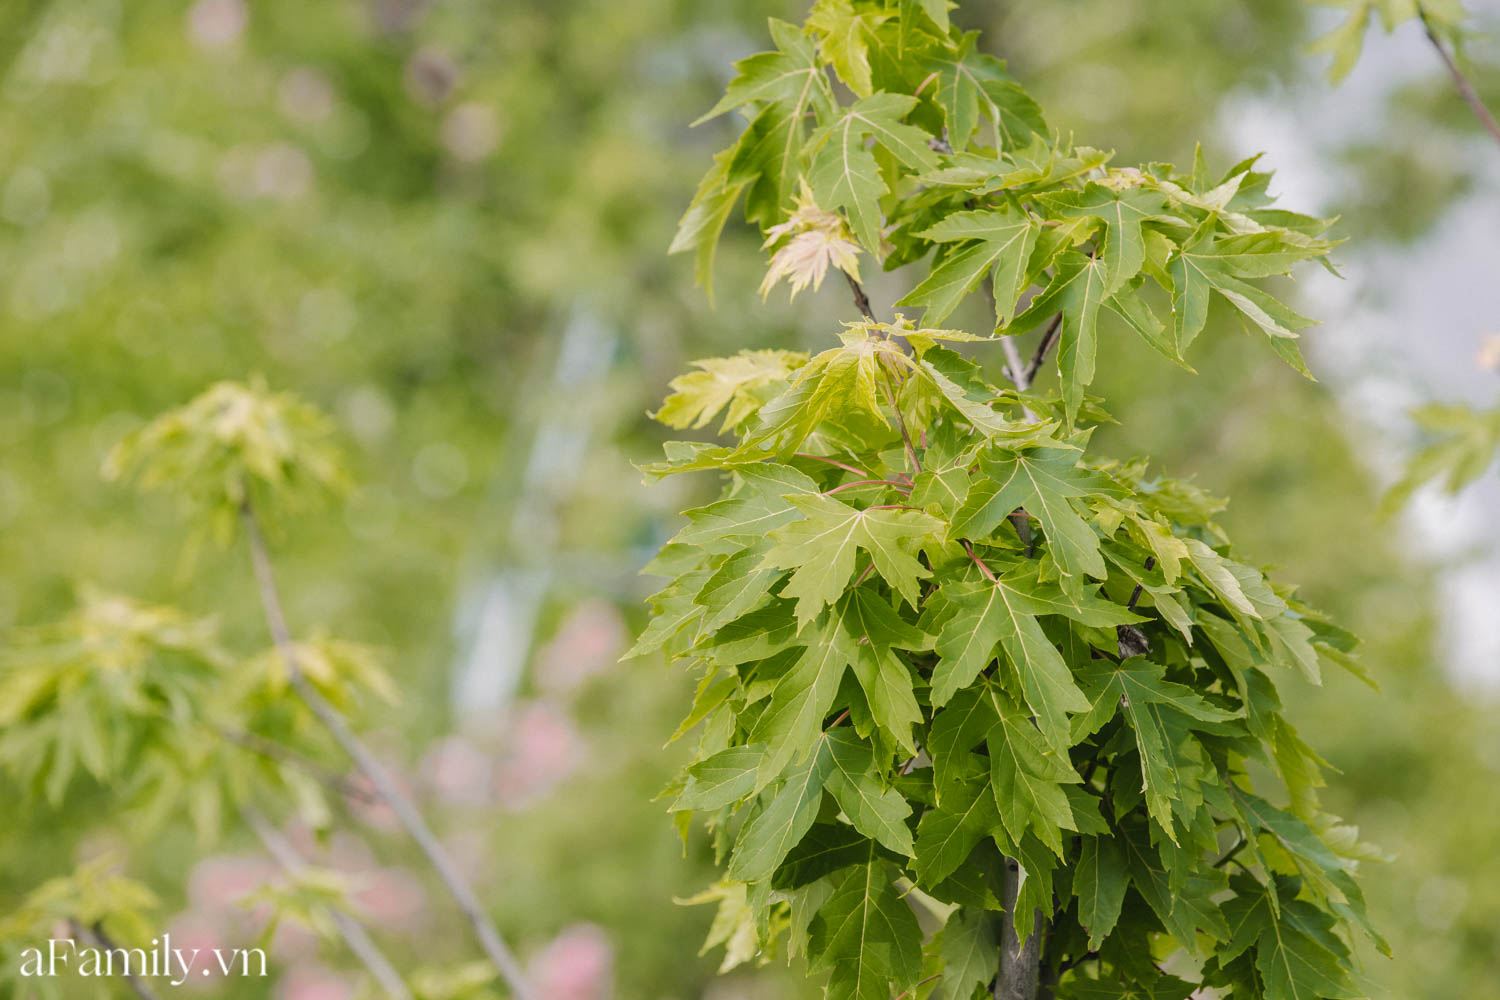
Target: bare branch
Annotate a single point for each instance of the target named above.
(1460, 81)
(861, 300)
(458, 887)
(1048, 340)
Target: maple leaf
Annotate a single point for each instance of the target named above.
(735, 383)
(993, 240)
(818, 238)
(820, 550)
(844, 173)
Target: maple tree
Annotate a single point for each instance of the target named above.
(980, 712)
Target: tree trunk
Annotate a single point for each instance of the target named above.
(1020, 965)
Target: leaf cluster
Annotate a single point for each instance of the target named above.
(943, 653)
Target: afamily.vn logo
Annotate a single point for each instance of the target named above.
(63, 956)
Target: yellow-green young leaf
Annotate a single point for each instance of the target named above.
(231, 439)
(738, 385)
(699, 228)
(844, 37)
(820, 549)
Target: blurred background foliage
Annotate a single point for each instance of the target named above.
(444, 224)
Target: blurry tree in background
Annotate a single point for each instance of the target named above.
(442, 224)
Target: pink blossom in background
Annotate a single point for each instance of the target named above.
(313, 982)
(219, 882)
(577, 965)
(393, 898)
(292, 943)
(213, 24)
(458, 771)
(589, 642)
(544, 747)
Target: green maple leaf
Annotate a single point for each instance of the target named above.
(1026, 775)
(970, 82)
(1099, 883)
(844, 39)
(1160, 712)
(1122, 212)
(878, 813)
(769, 837)
(757, 506)
(820, 549)
(1205, 266)
(1078, 288)
(971, 951)
(948, 833)
(1001, 239)
(1044, 482)
(786, 84)
(1004, 613)
(866, 936)
(1297, 955)
(722, 779)
(1185, 910)
(844, 173)
(700, 226)
(793, 722)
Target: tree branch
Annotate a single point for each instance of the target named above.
(352, 931)
(861, 300)
(1048, 339)
(458, 887)
(1460, 81)
(1020, 965)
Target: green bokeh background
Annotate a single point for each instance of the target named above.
(445, 225)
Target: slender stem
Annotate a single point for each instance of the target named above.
(353, 932)
(458, 887)
(861, 300)
(1460, 81)
(840, 720)
(920, 983)
(868, 482)
(1048, 340)
(271, 750)
(99, 937)
(830, 461)
(988, 573)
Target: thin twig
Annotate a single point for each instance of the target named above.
(97, 935)
(1048, 339)
(353, 932)
(1460, 81)
(830, 461)
(920, 984)
(989, 574)
(458, 887)
(861, 300)
(869, 482)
